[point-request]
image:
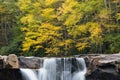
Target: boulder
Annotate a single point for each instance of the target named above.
(12, 61)
(30, 62)
(103, 67)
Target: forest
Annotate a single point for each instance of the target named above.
(59, 27)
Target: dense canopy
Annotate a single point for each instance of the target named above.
(59, 27)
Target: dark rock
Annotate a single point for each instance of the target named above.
(30, 62)
(1, 62)
(99, 74)
(103, 67)
(10, 74)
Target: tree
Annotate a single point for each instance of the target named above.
(53, 27)
(60, 27)
(11, 35)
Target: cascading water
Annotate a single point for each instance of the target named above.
(63, 69)
(58, 69)
(28, 74)
(48, 72)
(66, 73)
(81, 71)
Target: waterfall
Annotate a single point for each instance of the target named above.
(28, 74)
(58, 69)
(48, 72)
(61, 69)
(81, 71)
(66, 73)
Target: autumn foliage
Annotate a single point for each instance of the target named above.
(68, 27)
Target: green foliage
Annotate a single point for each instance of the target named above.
(64, 27)
(13, 48)
(9, 18)
(113, 41)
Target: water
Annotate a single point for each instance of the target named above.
(28, 74)
(66, 72)
(58, 69)
(80, 75)
(48, 72)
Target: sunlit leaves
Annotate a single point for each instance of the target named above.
(49, 36)
(96, 32)
(57, 26)
(104, 14)
(24, 4)
(69, 12)
(118, 16)
(72, 19)
(28, 19)
(45, 34)
(50, 2)
(88, 33)
(81, 46)
(48, 13)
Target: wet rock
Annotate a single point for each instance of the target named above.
(103, 67)
(12, 61)
(30, 62)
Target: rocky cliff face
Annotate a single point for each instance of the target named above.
(99, 67)
(103, 67)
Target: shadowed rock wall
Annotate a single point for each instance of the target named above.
(10, 74)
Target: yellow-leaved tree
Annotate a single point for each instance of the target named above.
(63, 27)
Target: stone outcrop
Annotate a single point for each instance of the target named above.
(9, 62)
(30, 62)
(12, 61)
(103, 67)
(99, 66)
